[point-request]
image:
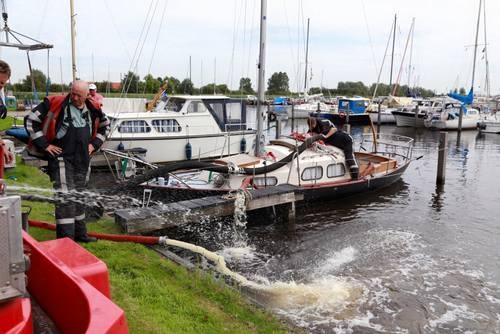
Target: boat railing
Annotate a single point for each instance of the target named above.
(394, 146)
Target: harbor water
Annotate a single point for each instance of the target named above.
(412, 258)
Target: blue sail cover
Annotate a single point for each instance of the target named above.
(465, 99)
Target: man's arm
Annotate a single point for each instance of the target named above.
(102, 131)
(34, 124)
(330, 132)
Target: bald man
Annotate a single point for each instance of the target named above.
(68, 129)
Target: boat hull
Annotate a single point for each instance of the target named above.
(408, 119)
(311, 193)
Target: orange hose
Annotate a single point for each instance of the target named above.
(103, 236)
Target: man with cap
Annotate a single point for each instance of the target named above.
(94, 96)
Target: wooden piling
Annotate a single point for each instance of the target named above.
(441, 168)
(278, 127)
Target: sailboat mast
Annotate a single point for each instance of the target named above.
(486, 53)
(261, 76)
(475, 45)
(307, 57)
(73, 43)
(392, 55)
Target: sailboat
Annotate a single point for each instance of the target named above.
(462, 117)
(309, 103)
(299, 161)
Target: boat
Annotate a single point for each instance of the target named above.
(311, 104)
(489, 124)
(447, 117)
(312, 168)
(351, 110)
(458, 116)
(302, 162)
(181, 128)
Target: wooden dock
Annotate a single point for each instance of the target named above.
(149, 219)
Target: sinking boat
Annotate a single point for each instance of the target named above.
(314, 169)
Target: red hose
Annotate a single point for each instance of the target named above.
(103, 236)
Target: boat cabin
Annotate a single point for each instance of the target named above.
(354, 105)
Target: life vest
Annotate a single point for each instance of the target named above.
(49, 124)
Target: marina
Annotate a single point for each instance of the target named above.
(178, 199)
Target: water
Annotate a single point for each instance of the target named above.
(411, 258)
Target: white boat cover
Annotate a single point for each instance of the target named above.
(112, 105)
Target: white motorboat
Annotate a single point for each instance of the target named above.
(447, 118)
(183, 127)
(489, 124)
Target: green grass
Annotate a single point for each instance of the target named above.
(6, 123)
(157, 295)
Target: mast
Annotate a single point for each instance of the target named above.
(488, 93)
(392, 56)
(307, 56)
(73, 46)
(261, 76)
(475, 45)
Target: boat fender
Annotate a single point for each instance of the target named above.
(243, 145)
(120, 147)
(189, 151)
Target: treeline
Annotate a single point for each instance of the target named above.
(277, 84)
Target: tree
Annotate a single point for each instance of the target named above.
(222, 89)
(130, 82)
(40, 81)
(207, 89)
(186, 87)
(462, 91)
(151, 84)
(172, 85)
(278, 83)
(246, 86)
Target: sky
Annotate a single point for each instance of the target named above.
(347, 40)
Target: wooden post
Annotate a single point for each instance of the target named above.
(441, 168)
(291, 217)
(379, 116)
(416, 115)
(460, 117)
(278, 127)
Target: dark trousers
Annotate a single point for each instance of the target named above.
(69, 179)
(343, 141)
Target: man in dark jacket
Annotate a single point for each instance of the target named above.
(69, 129)
(337, 138)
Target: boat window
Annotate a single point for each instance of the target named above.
(135, 126)
(196, 106)
(234, 112)
(335, 170)
(175, 104)
(312, 173)
(218, 110)
(166, 125)
(265, 181)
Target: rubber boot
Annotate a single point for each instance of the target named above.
(65, 231)
(81, 232)
(354, 171)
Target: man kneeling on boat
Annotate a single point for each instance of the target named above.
(333, 136)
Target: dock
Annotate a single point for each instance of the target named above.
(150, 219)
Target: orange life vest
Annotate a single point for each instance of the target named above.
(49, 124)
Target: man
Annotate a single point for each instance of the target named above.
(94, 96)
(4, 78)
(337, 138)
(69, 129)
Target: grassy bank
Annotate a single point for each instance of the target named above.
(157, 295)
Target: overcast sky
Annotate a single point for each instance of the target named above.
(347, 40)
